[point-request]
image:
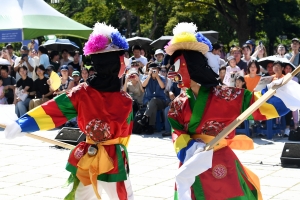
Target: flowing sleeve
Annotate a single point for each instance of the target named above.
(184, 145)
(49, 115)
(272, 108)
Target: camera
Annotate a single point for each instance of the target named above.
(131, 76)
(154, 71)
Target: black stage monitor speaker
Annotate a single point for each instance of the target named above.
(70, 135)
(290, 156)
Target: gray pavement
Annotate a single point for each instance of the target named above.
(31, 170)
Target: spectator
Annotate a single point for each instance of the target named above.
(43, 56)
(260, 52)
(146, 68)
(126, 54)
(278, 70)
(240, 82)
(270, 71)
(24, 84)
(173, 93)
(293, 57)
(92, 71)
(34, 56)
(232, 68)
(40, 89)
(10, 51)
(65, 57)
(163, 72)
(137, 56)
(7, 57)
(2, 92)
(26, 61)
(166, 62)
(54, 60)
(154, 97)
(76, 77)
(159, 56)
(280, 50)
(237, 53)
(252, 78)
(214, 58)
(252, 46)
(67, 82)
(71, 70)
(133, 86)
(247, 55)
(143, 53)
(9, 83)
(48, 71)
(76, 63)
(222, 72)
(136, 65)
(84, 75)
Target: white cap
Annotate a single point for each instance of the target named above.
(159, 51)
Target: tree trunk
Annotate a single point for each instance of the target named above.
(128, 18)
(271, 45)
(237, 16)
(138, 22)
(154, 23)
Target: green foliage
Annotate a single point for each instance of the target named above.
(243, 19)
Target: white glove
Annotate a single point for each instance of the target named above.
(276, 82)
(194, 149)
(13, 130)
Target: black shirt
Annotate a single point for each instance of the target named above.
(41, 87)
(76, 67)
(27, 82)
(242, 65)
(9, 81)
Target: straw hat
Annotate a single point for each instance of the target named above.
(186, 38)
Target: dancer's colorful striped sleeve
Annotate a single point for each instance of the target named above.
(49, 115)
(272, 108)
(184, 145)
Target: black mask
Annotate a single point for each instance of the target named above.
(198, 68)
(107, 67)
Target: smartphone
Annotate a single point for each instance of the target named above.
(260, 43)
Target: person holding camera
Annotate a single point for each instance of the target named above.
(133, 86)
(136, 50)
(154, 97)
(138, 66)
(26, 61)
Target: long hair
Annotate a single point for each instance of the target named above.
(243, 80)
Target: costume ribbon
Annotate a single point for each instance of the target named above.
(239, 142)
(89, 167)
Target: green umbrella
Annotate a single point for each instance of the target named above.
(27, 19)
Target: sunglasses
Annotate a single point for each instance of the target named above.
(163, 71)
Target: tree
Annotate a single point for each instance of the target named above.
(277, 18)
(234, 11)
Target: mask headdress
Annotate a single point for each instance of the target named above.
(106, 46)
(187, 49)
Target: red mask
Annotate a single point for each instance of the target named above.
(179, 72)
(122, 67)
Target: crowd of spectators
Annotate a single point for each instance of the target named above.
(145, 79)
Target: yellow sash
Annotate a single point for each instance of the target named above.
(89, 167)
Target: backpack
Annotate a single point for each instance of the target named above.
(137, 128)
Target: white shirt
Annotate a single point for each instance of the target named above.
(232, 69)
(213, 61)
(29, 73)
(142, 59)
(251, 59)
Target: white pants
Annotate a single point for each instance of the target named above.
(110, 188)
